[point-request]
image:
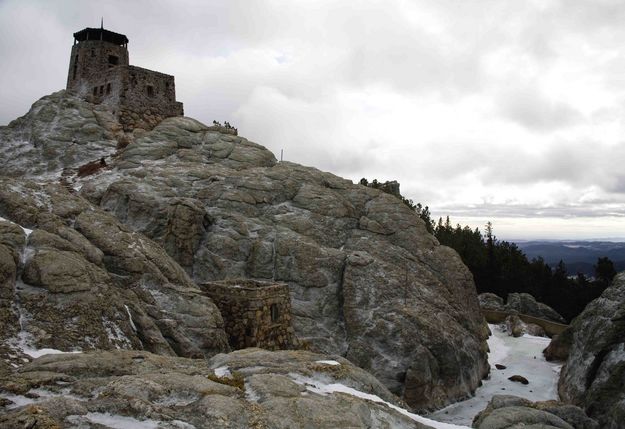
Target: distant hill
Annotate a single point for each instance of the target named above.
(579, 256)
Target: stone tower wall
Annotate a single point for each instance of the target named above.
(256, 314)
(140, 98)
(89, 60)
(147, 98)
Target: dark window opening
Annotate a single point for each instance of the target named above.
(95, 90)
(75, 67)
(108, 88)
(113, 60)
(93, 52)
(166, 85)
(150, 89)
(275, 313)
(133, 80)
(101, 89)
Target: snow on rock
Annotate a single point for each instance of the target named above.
(116, 421)
(132, 323)
(35, 396)
(223, 371)
(522, 356)
(26, 230)
(320, 387)
(328, 362)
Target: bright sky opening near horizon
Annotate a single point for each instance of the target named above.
(501, 110)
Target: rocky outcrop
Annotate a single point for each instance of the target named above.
(506, 411)
(250, 388)
(490, 301)
(525, 303)
(59, 132)
(516, 327)
(560, 345)
(367, 280)
(593, 374)
(81, 280)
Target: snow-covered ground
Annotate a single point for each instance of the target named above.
(522, 356)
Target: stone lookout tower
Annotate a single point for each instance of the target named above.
(255, 313)
(99, 72)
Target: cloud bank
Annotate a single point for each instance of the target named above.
(483, 109)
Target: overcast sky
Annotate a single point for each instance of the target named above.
(510, 111)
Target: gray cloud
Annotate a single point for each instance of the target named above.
(462, 102)
(531, 109)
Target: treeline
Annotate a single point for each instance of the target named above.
(501, 267)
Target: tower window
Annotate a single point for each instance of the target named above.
(95, 90)
(150, 89)
(275, 313)
(75, 66)
(108, 88)
(93, 52)
(113, 60)
(101, 89)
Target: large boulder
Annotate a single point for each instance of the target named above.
(593, 374)
(525, 303)
(58, 132)
(491, 301)
(511, 412)
(367, 280)
(251, 388)
(73, 278)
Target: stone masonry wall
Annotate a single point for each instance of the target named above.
(256, 314)
(140, 98)
(88, 61)
(147, 98)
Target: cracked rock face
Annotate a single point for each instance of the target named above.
(81, 280)
(595, 369)
(58, 132)
(367, 281)
(140, 389)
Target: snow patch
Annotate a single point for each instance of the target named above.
(24, 339)
(115, 334)
(132, 323)
(121, 422)
(522, 356)
(42, 395)
(251, 395)
(321, 388)
(26, 230)
(328, 362)
(223, 371)
(116, 421)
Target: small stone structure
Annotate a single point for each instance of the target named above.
(255, 313)
(99, 72)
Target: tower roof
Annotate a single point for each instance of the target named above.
(100, 34)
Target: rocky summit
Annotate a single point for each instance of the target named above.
(107, 238)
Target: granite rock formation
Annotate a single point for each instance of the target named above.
(593, 374)
(511, 412)
(81, 280)
(525, 303)
(491, 301)
(366, 279)
(251, 388)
